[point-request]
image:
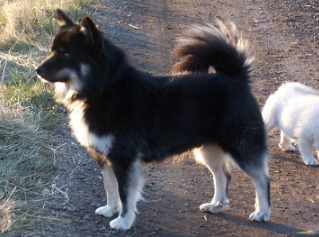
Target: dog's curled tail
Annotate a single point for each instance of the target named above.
(218, 46)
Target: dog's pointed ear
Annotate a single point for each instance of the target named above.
(62, 19)
(89, 29)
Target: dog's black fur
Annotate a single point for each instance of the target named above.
(151, 118)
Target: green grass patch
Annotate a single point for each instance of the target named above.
(14, 45)
(37, 97)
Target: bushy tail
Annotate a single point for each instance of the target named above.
(218, 46)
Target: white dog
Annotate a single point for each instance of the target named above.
(294, 109)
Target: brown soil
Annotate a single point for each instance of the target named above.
(283, 39)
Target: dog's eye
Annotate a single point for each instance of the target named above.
(64, 54)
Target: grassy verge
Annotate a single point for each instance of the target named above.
(26, 163)
(28, 114)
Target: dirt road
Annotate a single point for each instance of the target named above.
(283, 38)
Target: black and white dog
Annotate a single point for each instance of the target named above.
(124, 116)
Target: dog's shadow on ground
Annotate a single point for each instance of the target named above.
(294, 158)
(276, 228)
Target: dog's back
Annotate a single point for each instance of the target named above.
(291, 89)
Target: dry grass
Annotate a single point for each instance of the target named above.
(27, 20)
(7, 214)
(26, 164)
(28, 114)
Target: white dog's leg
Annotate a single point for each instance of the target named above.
(305, 148)
(113, 199)
(216, 161)
(317, 146)
(285, 143)
(130, 182)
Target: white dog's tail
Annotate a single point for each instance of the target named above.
(218, 46)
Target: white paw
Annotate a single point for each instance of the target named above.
(259, 216)
(311, 161)
(121, 223)
(106, 211)
(287, 147)
(215, 207)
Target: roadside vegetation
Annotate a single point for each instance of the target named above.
(28, 114)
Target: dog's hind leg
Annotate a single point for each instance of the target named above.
(316, 138)
(112, 194)
(130, 184)
(305, 148)
(216, 160)
(258, 172)
(285, 143)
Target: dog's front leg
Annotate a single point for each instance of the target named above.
(305, 148)
(112, 194)
(285, 143)
(130, 184)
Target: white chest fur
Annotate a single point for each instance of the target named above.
(86, 138)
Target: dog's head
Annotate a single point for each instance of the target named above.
(74, 52)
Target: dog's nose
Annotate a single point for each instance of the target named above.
(40, 71)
